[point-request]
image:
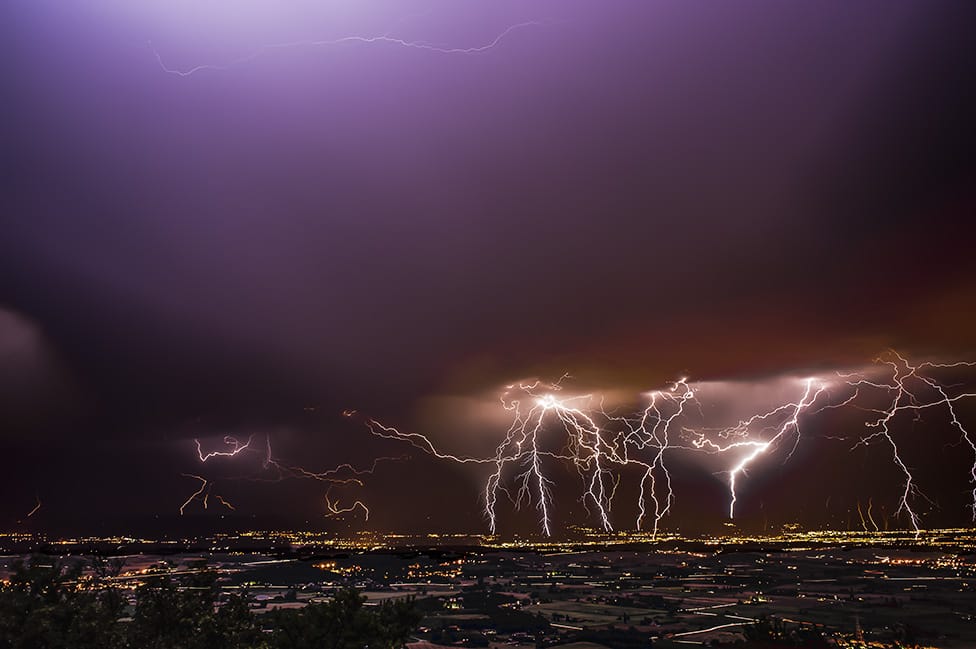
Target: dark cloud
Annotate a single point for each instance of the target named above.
(625, 191)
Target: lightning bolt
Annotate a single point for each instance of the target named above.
(226, 504)
(36, 506)
(335, 510)
(860, 513)
(342, 474)
(204, 483)
(600, 444)
(369, 40)
(870, 515)
(758, 448)
(234, 444)
(203, 494)
(901, 392)
(522, 447)
(652, 430)
(549, 427)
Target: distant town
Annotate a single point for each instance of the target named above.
(798, 588)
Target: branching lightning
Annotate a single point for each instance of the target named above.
(760, 447)
(549, 427)
(902, 390)
(533, 406)
(603, 447)
(342, 474)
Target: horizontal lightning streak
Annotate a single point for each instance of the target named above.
(382, 39)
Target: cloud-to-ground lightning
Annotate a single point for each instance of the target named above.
(386, 39)
(757, 447)
(548, 426)
(533, 407)
(652, 429)
(596, 443)
(601, 445)
(903, 390)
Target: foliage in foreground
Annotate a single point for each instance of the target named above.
(78, 606)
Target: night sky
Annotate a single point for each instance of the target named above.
(628, 192)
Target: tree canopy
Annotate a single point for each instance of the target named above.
(79, 605)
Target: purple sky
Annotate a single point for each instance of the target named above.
(627, 191)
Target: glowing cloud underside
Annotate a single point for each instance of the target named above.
(598, 443)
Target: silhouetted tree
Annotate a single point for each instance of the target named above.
(344, 623)
(73, 605)
(56, 605)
